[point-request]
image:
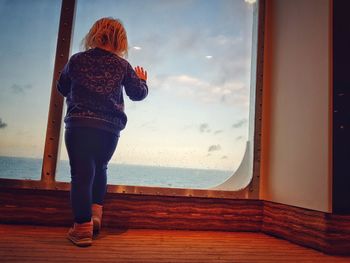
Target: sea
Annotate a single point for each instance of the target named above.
(120, 174)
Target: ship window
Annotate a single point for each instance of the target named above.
(195, 129)
(27, 52)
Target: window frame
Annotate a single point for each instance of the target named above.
(55, 117)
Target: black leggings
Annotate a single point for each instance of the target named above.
(89, 152)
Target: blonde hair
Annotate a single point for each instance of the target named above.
(109, 33)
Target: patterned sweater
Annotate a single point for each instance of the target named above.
(93, 81)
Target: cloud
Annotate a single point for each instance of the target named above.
(212, 148)
(230, 59)
(181, 62)
(218, 131)
(204, 127)
(148, 56)
(239, 138)
(228, 48)
(224, 157)
(186, 86)
(2, 124)
(239, 123)
(20, 89)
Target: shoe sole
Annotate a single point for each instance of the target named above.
(83, 242)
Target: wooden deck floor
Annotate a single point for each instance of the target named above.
(48, 244)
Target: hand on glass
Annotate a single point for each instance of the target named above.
(141, 73)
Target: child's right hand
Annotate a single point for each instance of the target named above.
(141, 73)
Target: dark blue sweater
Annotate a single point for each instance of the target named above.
(93, 81)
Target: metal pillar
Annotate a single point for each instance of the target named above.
(52, 142)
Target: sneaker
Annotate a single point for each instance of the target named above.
(81, 234)
(96, 217)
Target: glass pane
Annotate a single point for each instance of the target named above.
(191, 131)
(27, 48)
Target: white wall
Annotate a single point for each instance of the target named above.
(295, 169)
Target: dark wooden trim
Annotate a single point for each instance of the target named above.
(301, 226)
(326, 232)
(52, 208)
(183, 213)
(338, 234)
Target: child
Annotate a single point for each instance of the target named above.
(93, 81)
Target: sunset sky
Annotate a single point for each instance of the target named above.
(197, 54)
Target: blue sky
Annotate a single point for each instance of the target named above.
(197, 53)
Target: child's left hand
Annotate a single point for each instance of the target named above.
(141, 73)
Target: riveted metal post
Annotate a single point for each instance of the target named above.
(258, 38)
(52, 142)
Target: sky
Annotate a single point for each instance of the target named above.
(198, 57)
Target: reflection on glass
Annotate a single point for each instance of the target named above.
(191, 130)
(27, 48)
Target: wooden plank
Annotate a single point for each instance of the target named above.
(48, 244)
